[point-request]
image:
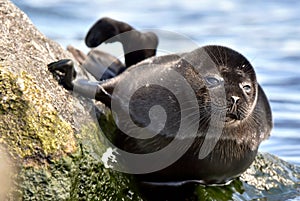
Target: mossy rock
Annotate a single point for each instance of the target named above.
(50, 140)
(50, 155)
(30, 127)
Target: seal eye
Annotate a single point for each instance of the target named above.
(247, 88)
(212, 81)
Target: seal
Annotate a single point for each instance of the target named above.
(248, 118)
(229, 100)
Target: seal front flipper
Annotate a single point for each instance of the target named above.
(80, 82)
(64, 71)
(137, 46)
(105, 90)
(100, 91)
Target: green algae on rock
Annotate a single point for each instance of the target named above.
(92, 181)
(30, 127)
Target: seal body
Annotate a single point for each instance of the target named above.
(226, 118)
(242, 116)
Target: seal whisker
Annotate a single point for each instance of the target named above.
(226, 58)
(213, 57)
(192, 123)
(221, 56)
(190, 101)
(185, 118)
(187, 109)
(255, 116)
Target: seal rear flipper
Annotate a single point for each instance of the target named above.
(105, 29)
(137, 46)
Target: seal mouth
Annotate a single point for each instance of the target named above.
(231, 117)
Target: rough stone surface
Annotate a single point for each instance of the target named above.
(49, 141)
(48, 134)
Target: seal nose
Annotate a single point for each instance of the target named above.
(234, 105)
(235, 99)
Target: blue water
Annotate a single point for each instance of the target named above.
(266, 32)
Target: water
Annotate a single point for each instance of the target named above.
(266, 32)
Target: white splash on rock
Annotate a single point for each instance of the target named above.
(109, 157)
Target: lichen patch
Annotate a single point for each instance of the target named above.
(29, 125)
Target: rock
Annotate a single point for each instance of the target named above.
(50, 141)
(272, 178)
(43, 127)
